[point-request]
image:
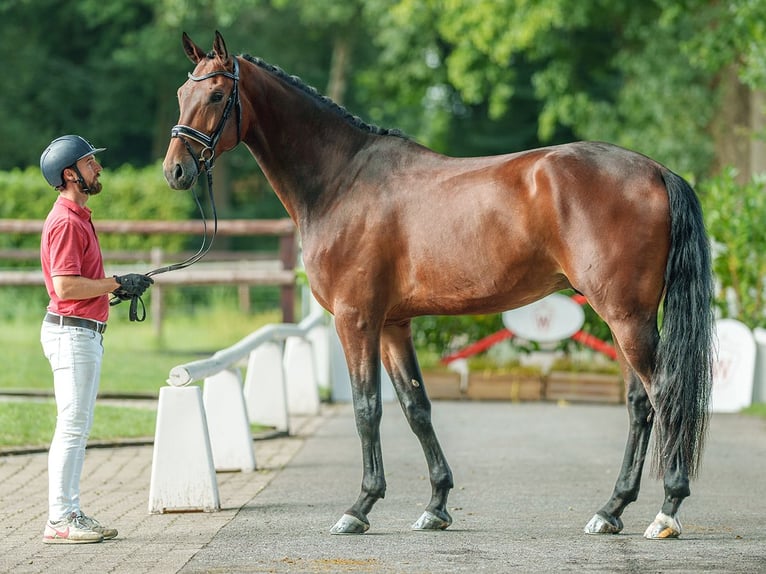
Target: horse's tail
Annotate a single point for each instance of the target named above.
(684, 366)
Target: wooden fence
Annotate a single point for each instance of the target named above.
(216, 268)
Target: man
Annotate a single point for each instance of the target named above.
(72, 331)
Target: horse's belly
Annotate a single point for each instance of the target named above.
(479, 290)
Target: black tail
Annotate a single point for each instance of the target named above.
(684, 368)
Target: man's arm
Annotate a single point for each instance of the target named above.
(76, 287)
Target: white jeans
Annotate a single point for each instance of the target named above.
(75, 356)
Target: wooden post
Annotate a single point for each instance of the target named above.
(244, 298)
(287, 292)
(156, 307)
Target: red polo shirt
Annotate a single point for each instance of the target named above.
(69, 246)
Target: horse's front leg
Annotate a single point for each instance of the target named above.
(607, 519)
(362, 349)
(402, 365)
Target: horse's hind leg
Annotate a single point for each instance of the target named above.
(666, 523)
(401, 363)
(607, 519)
(636, 343)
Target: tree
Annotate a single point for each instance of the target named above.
(596, 69)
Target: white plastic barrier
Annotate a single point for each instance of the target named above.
(228, 427)
(734, 367)
(319, 336)
(183, 475)
(265, 389)
(183, 471)
(759, 384)
(300, 376)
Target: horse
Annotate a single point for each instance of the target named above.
(393, 230)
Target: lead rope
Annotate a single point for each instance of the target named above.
(201, 252)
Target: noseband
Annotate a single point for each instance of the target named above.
(208, 142)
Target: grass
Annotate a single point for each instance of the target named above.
(136, 361)
(31, 423)
(758, 409)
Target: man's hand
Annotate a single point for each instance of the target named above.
(131, 285)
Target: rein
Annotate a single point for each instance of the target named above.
(205, 159)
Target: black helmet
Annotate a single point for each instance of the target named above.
(64, 152)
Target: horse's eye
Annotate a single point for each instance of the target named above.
(216, 97)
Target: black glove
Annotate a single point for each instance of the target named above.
(131, 285)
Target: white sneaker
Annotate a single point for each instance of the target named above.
(70, 530)
(95, 526)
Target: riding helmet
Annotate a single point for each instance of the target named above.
(61, 153)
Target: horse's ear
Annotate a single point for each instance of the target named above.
(219, 47)
(193, 52)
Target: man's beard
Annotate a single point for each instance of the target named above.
(94, 188)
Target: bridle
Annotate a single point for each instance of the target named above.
(208, 142)
(204, 161)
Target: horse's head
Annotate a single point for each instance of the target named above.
(206, 125)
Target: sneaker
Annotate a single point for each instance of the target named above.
(95, 526)
(70, 530)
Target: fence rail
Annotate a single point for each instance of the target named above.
(249, 269)
(230, 227)
(182, 375)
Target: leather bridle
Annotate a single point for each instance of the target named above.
(208, 142)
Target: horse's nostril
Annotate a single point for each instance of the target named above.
(178, 172)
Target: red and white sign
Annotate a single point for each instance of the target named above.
(553, 318)
(734, 367)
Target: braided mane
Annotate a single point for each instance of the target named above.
(314, 93)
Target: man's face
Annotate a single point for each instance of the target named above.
(90, 170)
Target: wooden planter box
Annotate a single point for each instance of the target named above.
(505, 387)
(484, 386)
(557, 386)
(442, 385)
(584, 387)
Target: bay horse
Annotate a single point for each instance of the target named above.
(392, 230)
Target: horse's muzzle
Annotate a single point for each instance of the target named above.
(180, 174)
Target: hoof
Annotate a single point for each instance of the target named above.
(429, 521)
(602, 525)
(349, 525)
(664, 526)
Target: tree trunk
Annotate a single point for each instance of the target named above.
(341, 62)
(740, 127)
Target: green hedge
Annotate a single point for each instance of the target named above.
(128, 193)
(735, 215)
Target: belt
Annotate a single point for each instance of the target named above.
(64, 321)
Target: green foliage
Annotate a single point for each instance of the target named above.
(735, 215)
(446, 334)
(731, 33)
